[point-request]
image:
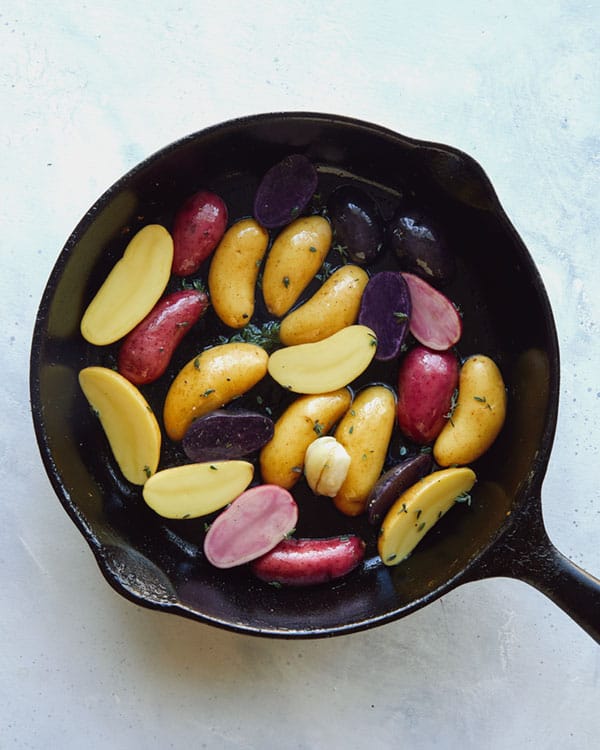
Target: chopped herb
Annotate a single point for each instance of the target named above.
(353, 412)
(265, 336)
(208, 391)
(342, 250)
(325, 272)
(464, 497)
(295, 212)
(401, 317)
(481, 399)
(425, 449)
(312, 249)
(228, 445)
(187, 515)
(421, 527)
(439, 514)
(149, 408)
(286, 281)
(373, 340)
(182, 324)
(245, 316)
(214, 468)
(403, 450)
(391, 557)
(95, 412)
(206, 526)
(268, 410)
(259, 400)
(318, 428)
(351, 429)
(364, 456)
(147, 471)
(290, 533)
(453, 405)
(404, 508)
(296, 469)
(193, 285)
(419, 514)
(275, 584)
(197, 363)
(258, 262)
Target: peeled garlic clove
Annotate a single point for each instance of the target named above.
(326, 465)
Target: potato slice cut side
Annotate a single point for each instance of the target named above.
(418, 509)
(127, 419)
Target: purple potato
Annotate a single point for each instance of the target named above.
(394, 482)
(224, 434)
(420, 246)
(357, 223)
(285, 191)
(386, 308)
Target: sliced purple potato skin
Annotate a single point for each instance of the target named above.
(386, 308)
(226, 434)
(394, 482)
(285, 191)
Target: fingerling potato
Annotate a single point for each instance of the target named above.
(365, 432)
(132, 288)
(479, 414)
(209, 381)
(293, 260)
(304, 420)
(334, 306)
(234, 270)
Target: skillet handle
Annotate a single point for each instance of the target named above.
(527, 554)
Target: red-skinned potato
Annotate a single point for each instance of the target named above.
(146, 352)
(305, 562)
(199, 225)
(426, 383)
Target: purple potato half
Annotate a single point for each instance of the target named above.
(285, 191)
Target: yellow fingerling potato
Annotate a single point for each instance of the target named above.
(293, 260)
(127, 419)
(418, 509)
(478, 416)
(209, 381)
(194, 490)
(234, 270)
(308, 417)
(365, 433)
(131, 289)
(334, 306)
(326, 365)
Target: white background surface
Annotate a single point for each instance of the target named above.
(89, 89)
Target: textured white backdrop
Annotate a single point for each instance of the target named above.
(87, 90)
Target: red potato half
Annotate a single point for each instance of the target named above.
(146, 352)
(434, 320)
(198, 228)
(426, 383)
(305, 562)
(253, 524)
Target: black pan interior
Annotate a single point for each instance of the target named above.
(506, 314)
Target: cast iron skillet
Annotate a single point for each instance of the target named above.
(507, 315)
